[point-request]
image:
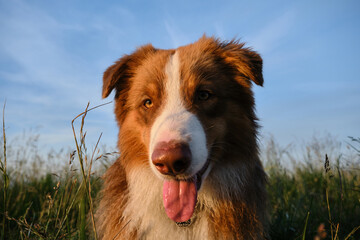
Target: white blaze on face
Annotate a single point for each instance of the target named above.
(176, 123)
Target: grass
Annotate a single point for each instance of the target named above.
(3, 169)
(313, 193)
(320, 192)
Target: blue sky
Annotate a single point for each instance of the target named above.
(53, 54)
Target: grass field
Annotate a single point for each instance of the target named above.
(313, 193)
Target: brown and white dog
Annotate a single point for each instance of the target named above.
(188, 165)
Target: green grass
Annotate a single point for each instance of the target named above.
(319, 190)
(313, 193)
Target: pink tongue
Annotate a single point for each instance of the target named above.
(179, 199)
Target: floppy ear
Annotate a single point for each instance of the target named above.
(245, 60)
(117, 76)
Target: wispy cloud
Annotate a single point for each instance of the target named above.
(269, 37)
(33, 40)
(52, 58)
(177, 37)
(50, 83)
(219, 30)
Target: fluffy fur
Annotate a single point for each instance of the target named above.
(231, 203)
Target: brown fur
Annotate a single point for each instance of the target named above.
(236, 208)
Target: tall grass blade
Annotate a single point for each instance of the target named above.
(352, 232)
(306, 223)
(5, 177)
(83, 218)
(79, 151)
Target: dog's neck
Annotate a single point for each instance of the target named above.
(146, 214)
(145, 211)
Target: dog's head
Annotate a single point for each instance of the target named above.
(184, 109)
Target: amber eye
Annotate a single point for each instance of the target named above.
(148, 103)
(204, 95)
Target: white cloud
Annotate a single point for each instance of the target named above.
(177, 37)
(269, 38)
(32, 39)
(49, 84)
(219, 30)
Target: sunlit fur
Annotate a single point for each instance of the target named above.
(232, 199)
(176, 123)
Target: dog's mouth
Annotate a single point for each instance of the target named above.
(180, 196)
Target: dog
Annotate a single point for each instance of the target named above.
(189, 165)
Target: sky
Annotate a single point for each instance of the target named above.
(53, 55)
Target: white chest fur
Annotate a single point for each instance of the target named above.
(145, 213)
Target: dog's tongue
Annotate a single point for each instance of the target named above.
(179, 199)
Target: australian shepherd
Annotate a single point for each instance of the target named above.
(189, 165)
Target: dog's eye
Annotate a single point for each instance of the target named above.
(148, 103)
(204, 95)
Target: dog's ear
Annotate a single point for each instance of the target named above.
(246, 61)
(117, 76)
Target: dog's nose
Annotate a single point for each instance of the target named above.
(171, 158)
